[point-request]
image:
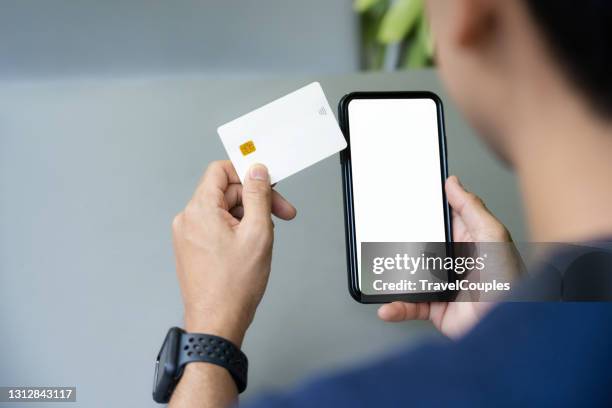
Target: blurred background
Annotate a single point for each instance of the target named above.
(235, 38)
(108, 111)
(231, 38)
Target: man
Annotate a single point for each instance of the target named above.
(533, 77)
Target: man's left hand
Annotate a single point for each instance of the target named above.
(223, 248)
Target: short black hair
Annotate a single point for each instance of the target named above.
(579, 34)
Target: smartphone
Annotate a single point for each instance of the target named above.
(393, 171)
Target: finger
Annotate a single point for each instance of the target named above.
(215, 181)
(460, 231)
(468, 206)
(280, 206)
(233, 196)
(257, 196)
(401, 311)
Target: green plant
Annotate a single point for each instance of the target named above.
(394, 34)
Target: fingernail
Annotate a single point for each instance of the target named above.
(258, 172)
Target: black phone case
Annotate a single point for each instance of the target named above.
(347, 187)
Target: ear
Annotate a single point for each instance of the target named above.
(473, 20)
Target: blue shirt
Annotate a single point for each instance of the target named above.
(520, 354)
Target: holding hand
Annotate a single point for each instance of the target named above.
(223, 247)
(472, 222)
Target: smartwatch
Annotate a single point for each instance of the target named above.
(181, 348)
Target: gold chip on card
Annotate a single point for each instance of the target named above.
(247, 148)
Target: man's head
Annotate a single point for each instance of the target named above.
(503, 60)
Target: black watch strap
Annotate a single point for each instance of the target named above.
(215, 350)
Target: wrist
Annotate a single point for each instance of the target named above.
(229, 325)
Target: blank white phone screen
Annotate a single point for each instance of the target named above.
(396, 171)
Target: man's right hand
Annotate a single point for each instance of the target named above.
(472, 222)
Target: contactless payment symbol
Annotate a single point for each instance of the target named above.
(247, 147)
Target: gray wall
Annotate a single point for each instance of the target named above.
(91, 174)
(67, 38)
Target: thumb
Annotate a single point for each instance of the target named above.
(476, 217)
(257, 195)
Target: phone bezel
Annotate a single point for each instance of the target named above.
(347, 188)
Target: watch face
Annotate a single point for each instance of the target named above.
(166, 366)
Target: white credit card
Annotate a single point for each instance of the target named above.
(286, 135)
